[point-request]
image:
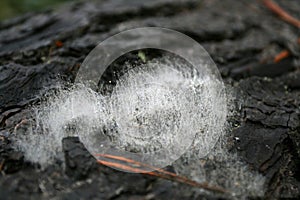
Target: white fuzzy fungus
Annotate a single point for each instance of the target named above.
(162, 109)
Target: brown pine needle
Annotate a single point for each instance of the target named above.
(270, 4)
(282, 55)
(154, 171)
(281, 13)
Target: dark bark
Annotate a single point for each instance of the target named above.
(241, 36)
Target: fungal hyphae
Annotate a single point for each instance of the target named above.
(162, 109)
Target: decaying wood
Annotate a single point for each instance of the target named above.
(242, 37)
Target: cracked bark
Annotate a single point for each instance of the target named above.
(242, 41)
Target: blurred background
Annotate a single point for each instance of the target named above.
(11, 8)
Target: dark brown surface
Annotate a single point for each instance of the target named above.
(242, 37)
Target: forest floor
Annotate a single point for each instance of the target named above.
(243, 38)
